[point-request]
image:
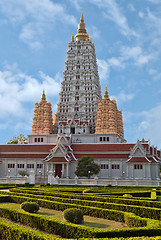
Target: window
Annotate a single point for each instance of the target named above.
(76, 109)
(115, 166)
(103, 139)
(11, 165)
(39, 165)
(77, 98)
(30, 165)
(20, 165)
(38, 139)
(104, 166)
(138, 166)
(35, 139)
(42, 139)
(76, 87)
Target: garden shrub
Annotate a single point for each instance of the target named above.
(153, 194)
(30, 207)
(127, 196)
(73, 215)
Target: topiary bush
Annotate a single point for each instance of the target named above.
(127, 196)
(30, 207)
(73, 215)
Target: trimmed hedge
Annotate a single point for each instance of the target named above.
(148, 225)
(94, 208)
(70, 230)
(13, 231)
(111, 199)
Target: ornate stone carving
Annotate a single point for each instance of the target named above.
(42, 120)
(109, 118)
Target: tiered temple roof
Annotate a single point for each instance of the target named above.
(42, 120)
(109, 118)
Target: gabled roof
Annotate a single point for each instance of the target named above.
(138, 160)
(138, 149)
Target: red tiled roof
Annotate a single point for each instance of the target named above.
(152, 159)
(64, 123)
(102, 147)
(108, 156)
(23, 155)
(26, 148)
(57, 159)
(155, 150)
(158, 153)
(82, 122)
(138, 159)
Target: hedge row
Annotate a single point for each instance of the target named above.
(95, 206)
(129, 218)
(94, 198)
(13, 231)
(70, 230)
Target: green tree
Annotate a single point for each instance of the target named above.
(87, 167)
(15, 139)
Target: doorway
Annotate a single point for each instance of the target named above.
(58, 170)
(72, 130)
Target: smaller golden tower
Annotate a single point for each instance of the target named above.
(109, 118)
(42, 120)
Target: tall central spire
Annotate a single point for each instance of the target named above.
(82, 34)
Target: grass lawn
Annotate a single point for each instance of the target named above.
(88, 221)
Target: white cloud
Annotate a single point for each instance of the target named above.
(131, 7)
(135, 53)
(116, 62)
(123, 97)
(141, 14)
(34, 18)
(155, 1)
(112, 11)
(150, 126)
(18, 89)
(94, 32)
(103, 69)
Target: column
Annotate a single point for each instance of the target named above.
(127, 170)
(16, 168)
(132, 170)
(62, 175)
(67, 169)
(144, 170)
(110, 169)
(121, 173)
(157, 171)
(149, 172)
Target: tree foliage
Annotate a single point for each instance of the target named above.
(15, 139)
(86, 164)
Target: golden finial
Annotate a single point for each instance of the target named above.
(82, 34)
(72, 38)
(82, 19)
(106, 94)
(43, 97)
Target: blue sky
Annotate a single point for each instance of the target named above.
(34, 38)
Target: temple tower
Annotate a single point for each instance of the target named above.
(42, 120)
(109, 118)
(80, 87)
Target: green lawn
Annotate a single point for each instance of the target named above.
(88, 221)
